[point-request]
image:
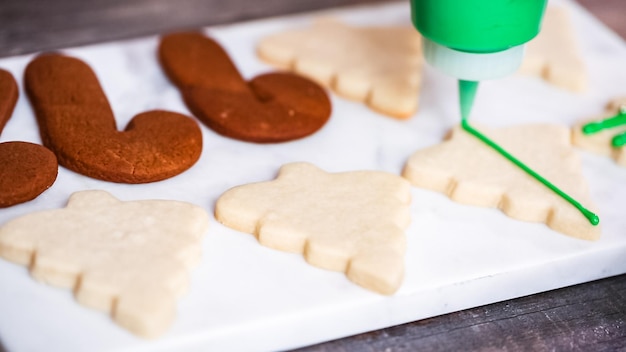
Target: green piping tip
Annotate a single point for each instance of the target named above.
(467, 93)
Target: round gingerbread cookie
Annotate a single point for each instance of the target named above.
(27, 169)
(274, 107)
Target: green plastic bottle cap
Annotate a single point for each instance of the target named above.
(479, 26)
(472, 66)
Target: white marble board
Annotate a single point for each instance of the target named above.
(247, 297)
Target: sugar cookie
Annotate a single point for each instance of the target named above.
(131, 259)
(601, 142)
(554, 54)
(351, 222)
(470, 172)
(381, 66)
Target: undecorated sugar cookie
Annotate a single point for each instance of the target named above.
(601, 142)
(381, 66)
(351, 222)
(554, 54)
(471, 172)
(131, 259)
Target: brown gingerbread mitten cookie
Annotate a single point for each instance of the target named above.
(26, 169)
(77, 124)
(603, 130)
(351, 222)
(130, 259)
(471, 172)
(380, 66)
(273, 107)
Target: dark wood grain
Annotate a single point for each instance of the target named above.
(33, 25)
(586, 317)
(611, 12)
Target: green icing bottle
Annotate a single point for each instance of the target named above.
(473, 40)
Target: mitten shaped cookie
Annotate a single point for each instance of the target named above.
(76, 122)
(270, 108)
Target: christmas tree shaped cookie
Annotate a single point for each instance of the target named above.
(381, 66)
(554, 54)
(131, 259)
(351, 222)
(471, 172)
(605, 134)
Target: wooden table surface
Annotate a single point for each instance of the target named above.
(586, 317)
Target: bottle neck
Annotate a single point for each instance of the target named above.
(472, 66)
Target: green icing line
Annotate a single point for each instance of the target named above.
(619, 140)
(597, 126)
(593, 218)
(467, 93)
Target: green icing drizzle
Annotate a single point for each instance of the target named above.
(467, 93)
(619, 140)
(593, 218)
(611, 122)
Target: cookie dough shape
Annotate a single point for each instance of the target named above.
(131, 259)
(351, 222)
(470, 172)
(26, 169)
(381, 66)
(600, 142)
(76, 122)
(270, 108)
(554, 54)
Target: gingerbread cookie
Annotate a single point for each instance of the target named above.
(603, 131)
(27, 169)
(130, 259)
(471, 172)
(77, 124)
(554, 54)
(274, 107)
(8, 97)
(381, 66)
(351, 222)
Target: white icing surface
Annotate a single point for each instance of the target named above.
(247, 297)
